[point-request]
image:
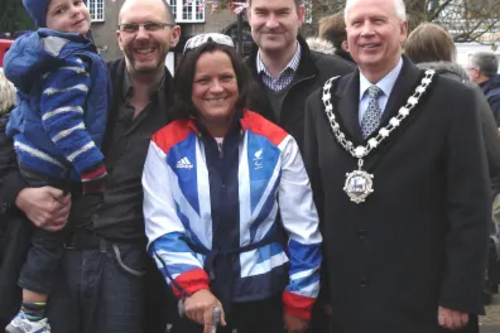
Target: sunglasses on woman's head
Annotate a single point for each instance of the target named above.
(199, 40)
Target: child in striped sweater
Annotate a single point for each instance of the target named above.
(57, 128)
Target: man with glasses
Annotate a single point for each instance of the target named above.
(482, 69)
(102, 285)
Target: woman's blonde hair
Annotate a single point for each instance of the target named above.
(429, 42)
(7, 94)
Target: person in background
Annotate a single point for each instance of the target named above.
(332, 28)
(431, 46)
(15, 234)
(320, 45)
(228, 206)
(482, 69)
(284, 70)
(8, 95)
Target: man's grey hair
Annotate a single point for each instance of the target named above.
(486, 62)
(399, 7)
(7, 94)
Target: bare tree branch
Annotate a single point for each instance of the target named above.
(467, 20)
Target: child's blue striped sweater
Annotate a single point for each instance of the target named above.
(59, 123)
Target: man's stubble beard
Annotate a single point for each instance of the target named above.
(149, 70)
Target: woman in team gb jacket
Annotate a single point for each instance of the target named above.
(228, 207)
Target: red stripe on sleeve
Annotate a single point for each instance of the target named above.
(98, 172)
(297, 305)
(191, 282)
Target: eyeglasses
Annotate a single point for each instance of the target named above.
(149, 26)
(199, 40)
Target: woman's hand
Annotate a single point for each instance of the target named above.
(199, 308)
(295, 324)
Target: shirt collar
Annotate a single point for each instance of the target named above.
(385, 84)
(292, 65)
(127, 85)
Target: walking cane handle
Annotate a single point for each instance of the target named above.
(216, 315)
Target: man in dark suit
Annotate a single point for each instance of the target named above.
(284, 70)
(398, 168)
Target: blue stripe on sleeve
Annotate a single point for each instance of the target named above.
(303, 257)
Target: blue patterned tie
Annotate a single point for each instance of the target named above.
(373, 113)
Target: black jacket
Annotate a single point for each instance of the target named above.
(121, 216)
(11, 182)
(314, 69)
(491, 90)
(486, 119)
(15, 231)
(15, 240)
(420, 239)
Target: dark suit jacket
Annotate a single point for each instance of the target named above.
(420, 240)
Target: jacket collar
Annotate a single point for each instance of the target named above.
(128, 89)
(293, 64)
(235, 126)
(445, 68)
(492, 83)
(348, 93)
(118, 73)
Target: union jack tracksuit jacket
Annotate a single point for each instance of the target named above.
(192, 211)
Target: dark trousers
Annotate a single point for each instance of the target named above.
(161, 304)
(264, 316)
(100, 290)
(320, 321)
(42, 261)
(46, 247)
(15, 238)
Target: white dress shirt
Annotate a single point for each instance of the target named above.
(385, 84)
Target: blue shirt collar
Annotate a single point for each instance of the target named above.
(385, 84)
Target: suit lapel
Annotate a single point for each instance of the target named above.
(404, 87)
(347, 107)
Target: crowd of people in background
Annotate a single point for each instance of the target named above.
(346, 183)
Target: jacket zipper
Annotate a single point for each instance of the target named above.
(220, 148)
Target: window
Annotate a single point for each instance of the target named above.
(97, 9)
(188, 11)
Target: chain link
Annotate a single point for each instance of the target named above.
(360, 152)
